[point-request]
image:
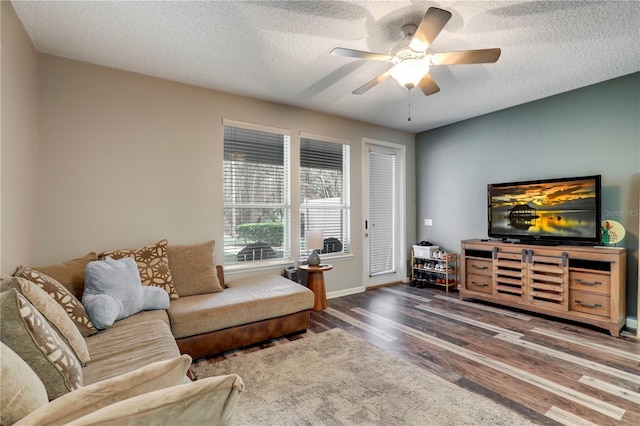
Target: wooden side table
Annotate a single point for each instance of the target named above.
(315, 282)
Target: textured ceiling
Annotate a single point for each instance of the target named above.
(279, 51)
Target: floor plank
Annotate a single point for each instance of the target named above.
(551, 371)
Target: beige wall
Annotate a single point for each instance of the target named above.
(127, 159)
(18, 143)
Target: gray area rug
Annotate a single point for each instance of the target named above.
(335, 378)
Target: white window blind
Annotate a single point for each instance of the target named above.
(256, 195)
(382, 212)
(324, 193)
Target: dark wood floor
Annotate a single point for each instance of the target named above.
(550, 371)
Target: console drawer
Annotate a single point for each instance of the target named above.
(481, 267)
(594, 283)
(483, 283)
(590, 303)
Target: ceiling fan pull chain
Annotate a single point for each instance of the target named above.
(409, 119)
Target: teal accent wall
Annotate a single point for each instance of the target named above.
(592, 130)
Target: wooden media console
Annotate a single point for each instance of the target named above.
(583, 284)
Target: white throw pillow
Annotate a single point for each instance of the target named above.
(210, 401)
(21, 391)
(76, 404)
(113, 291)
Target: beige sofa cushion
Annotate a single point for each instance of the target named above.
(144, 316)
(74, 405)
(193, 268)
(119, 350)
(21, 391)
(210, 401)
(70, 273)
(243, 302)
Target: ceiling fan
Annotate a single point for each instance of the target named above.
(411, 64)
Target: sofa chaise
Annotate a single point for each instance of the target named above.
(208, 315)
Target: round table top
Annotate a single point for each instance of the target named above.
(321, 267)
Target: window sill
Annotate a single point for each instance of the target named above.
(238, 268)
(326, 258)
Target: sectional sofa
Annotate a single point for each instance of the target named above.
(149, 351)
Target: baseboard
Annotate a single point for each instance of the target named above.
(340, 293)
(632, 323)
(391, 284)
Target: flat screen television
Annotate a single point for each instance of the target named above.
(549, 211)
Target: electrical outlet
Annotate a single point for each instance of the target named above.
(428, 222)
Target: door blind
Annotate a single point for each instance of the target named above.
(382, 212)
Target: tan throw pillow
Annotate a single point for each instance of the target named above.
(153, 265)
(53, 312)
(70, 273)
(193, 268)
(21, 391)
(209, 401)
(72, 406)
(31, 337)
(63, 296)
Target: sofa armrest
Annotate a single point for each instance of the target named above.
(212, 401)
(221, 275)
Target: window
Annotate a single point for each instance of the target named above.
(256, 194)
(324, 193)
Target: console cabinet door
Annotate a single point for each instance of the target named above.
(509, 275)
(548, 280)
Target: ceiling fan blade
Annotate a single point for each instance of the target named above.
(368, 85)
(428, 85)
(350, 53)
(482, 56)
(433, 22)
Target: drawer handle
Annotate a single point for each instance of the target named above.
(479, 285)
(482, 268)
(578, 280)
(596, 305)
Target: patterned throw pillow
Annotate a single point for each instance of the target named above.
(153, 265)
(52, 311)
(63, 296)
(30, 336)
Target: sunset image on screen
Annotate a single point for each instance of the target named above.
(563, 209)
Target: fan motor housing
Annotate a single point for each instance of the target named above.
(408, 31)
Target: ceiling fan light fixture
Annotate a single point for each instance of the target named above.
(410, 59)
(409, 72)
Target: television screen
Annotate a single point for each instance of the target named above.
(563, 210)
